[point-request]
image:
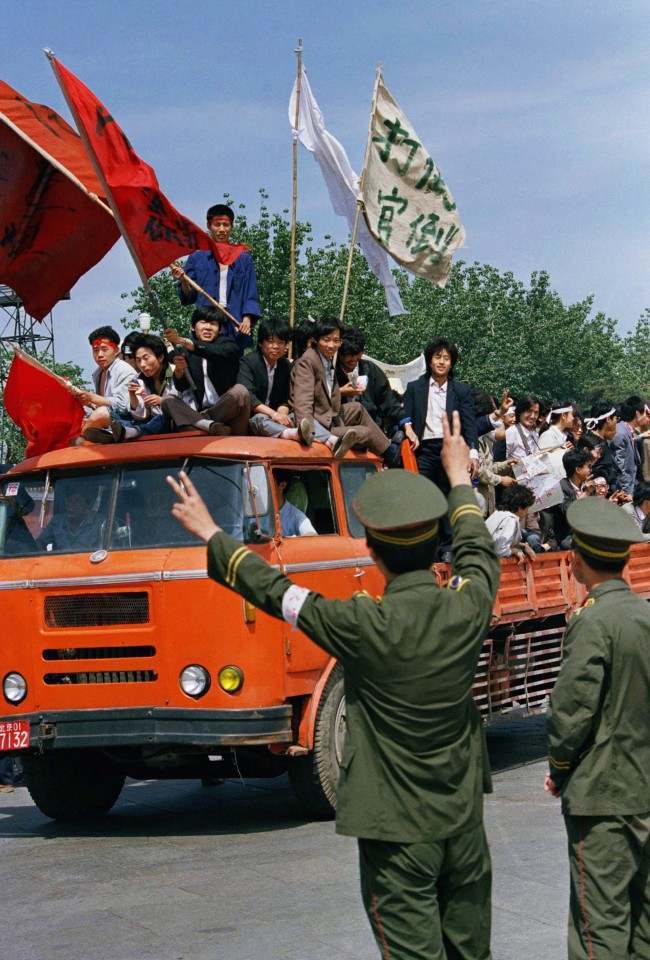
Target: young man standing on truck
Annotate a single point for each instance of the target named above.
(413, 769)
(599, 742)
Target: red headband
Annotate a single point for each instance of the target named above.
(104, 342)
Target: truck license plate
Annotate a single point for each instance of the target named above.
(14, 735)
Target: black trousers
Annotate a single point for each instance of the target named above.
(430, 465)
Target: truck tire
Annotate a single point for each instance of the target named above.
(72, 784)
(314, 778)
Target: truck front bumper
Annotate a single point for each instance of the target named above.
(147, 726)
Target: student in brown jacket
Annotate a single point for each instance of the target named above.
(315, 396)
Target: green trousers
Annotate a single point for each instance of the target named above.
(429, 901)
(609, 859)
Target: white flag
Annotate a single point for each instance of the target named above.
(401, 374)
(342, 184)
(408, 206)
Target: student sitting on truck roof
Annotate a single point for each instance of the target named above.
(217, 403)
(265, 373)
(110, 379)
(315, 396)
(158, 379)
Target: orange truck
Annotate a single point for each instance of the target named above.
(121, 658)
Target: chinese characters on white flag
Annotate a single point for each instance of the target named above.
(342, 184)
(408, 206)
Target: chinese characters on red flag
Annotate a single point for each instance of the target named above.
(157, 232)
(51, 230)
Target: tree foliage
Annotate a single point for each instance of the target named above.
(509, 333)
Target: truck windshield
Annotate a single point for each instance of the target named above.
(129, 507)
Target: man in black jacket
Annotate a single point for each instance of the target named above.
(364, 381)
(265, 373)
(433, 395)
(217, 403)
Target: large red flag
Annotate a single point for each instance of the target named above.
(51, 230)
(41, 405)
(155, 231)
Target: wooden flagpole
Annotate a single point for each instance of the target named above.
(54, 162)
(100, 176)
(355, 227)
(294, 187)
(215, 303)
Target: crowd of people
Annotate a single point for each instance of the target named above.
(331, 394)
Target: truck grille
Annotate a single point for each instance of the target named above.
(97, 653)
(102, 676)
(96, 609)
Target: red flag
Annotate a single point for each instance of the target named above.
(156, 232)
(41, 405)
(51, 230)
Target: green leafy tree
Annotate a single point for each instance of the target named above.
(509, 333)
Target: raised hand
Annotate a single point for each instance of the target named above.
(455, 452)
(190, 511)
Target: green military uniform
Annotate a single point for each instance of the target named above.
(599, 746)
(412, 773)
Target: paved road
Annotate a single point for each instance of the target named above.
(181, 872)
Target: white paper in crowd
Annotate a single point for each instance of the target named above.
(534, 472)
(342, 184)
(408, 206)
(399, 374)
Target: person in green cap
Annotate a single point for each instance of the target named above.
(599, 742)
(414, 765)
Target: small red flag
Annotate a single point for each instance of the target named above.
(156, 232)
(51, 230)
(41, 405)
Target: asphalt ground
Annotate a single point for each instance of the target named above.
(178, 871)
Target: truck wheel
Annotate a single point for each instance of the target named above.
(73, 784)
(314, 778)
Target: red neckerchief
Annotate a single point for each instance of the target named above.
(227, 253)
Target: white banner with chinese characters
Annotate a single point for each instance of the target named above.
(342, 184)
(408, 206)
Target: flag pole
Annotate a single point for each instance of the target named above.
(100, 176)
(355, 226)
(294, 186)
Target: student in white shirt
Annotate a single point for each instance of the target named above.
(522, 438)
(555, 439)
(110, 380)
(505, 524)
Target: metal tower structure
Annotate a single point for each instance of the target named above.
(19, 328)
(16, 326)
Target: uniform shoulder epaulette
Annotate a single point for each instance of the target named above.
(457, 583)
(364, 593)
(589, 602)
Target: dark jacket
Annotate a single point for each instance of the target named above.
(459, 397)
(253, 375)
(605, 465)
(223, 364)
(378, 398)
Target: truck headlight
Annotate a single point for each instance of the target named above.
(194, 680)
(230, 679)
(14, 687)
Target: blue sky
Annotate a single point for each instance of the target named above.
(536, 112)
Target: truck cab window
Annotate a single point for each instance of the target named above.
(353, 475)
(306, 502)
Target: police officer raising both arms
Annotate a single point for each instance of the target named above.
(414, 767)
(599, 743)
